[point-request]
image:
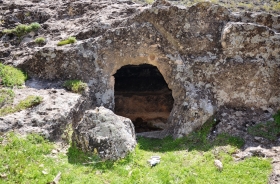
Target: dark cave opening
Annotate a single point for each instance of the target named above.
(142, 95)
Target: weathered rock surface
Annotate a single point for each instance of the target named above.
(58, 109)
(104, 133)
(210, 57)
(237, 121)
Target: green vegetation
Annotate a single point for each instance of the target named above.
(268, 130)
(40, 40)
(198, 140)
(22, 159)
(149, 1)
(185, 160)
(69, 40)
(10, 76)
(276, 6)
(6, 97)
(28, 102)
(245, 5)
(277, 118)
(76, 86)
(22, 29)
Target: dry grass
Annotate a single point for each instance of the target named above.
(270, 6)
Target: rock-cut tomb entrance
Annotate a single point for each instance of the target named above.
(142, 94)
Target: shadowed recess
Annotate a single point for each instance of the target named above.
(142, 95)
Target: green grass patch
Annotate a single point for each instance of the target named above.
(277, 118)
(40, 40)
(69, 40)
(197, 140)
(269, 130)
(23, 29)
(6, 97)
(28, 102)
(23, 159)
(10, 76)
(29, 160)
(76, 86)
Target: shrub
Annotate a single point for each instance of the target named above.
(34, 26)
(76, 86)
(22, 29)
(6, 96)
(11, 76)
(69, 40)
(28, 102)
(40, 40)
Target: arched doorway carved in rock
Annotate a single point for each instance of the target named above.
(142, 94)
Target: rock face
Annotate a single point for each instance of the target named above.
(102, 132)
(209, 57)
(58, 109)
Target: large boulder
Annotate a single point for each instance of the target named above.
(105, 133)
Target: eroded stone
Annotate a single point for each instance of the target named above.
(209, 57)
(104, 133)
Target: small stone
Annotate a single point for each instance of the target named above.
(45, 172)
(258, 138)
(4, 175)
(154, 160)
(224, 114)
(218, 164)
(129, 174)
(98, 172)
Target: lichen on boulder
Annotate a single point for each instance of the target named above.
(102, 132)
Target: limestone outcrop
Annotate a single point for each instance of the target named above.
(209, 57)
(102, 132)
(59, 108)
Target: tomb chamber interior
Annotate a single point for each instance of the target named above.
(142, 95)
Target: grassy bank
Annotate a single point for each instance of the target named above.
(186, 160)
(28, 102)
